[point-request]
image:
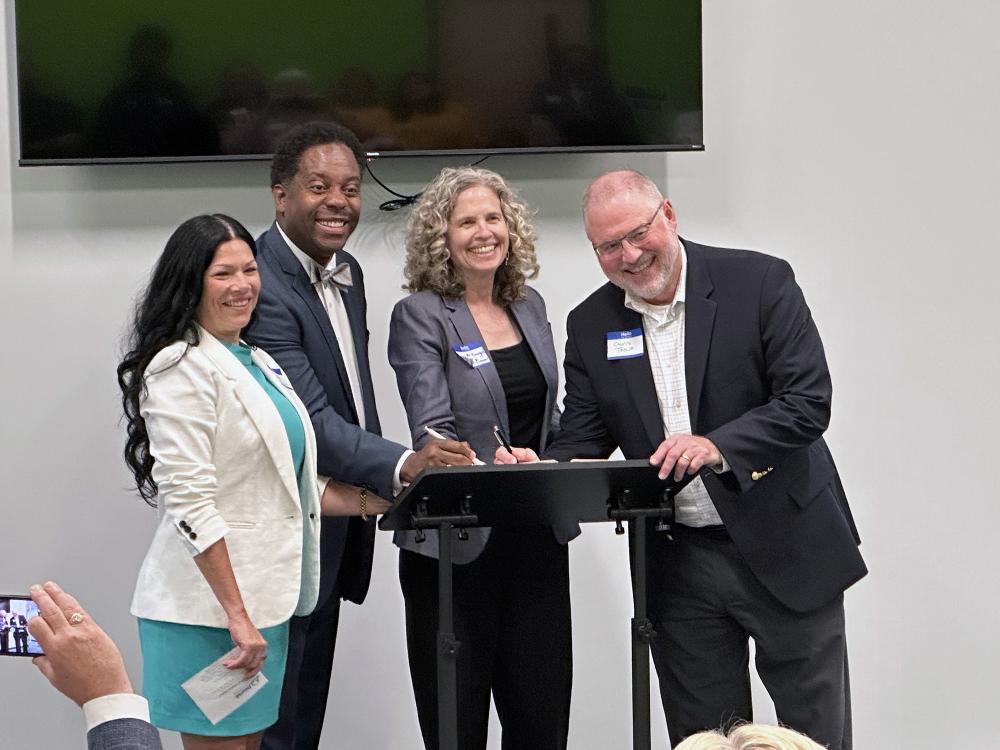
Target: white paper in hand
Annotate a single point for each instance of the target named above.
(219, 691)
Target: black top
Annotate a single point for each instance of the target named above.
(525, 389)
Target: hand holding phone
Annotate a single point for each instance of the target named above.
(81, 661)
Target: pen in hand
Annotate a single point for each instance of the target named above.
(438, 436)
(502, 441)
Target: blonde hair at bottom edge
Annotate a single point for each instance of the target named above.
(750, 737)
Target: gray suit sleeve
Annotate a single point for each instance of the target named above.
(124, 734)
(417, 351)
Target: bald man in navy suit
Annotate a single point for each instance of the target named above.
(707, 361)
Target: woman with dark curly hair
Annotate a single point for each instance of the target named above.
(472, 348)
(221, 445)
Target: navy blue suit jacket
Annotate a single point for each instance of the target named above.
(293, 326)
(758, 387)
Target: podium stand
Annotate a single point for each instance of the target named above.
(540, 494)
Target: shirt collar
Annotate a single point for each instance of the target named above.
(661, 314)
(311, 266)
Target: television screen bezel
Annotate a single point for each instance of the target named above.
(371, 155)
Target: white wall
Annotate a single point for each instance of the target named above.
(856, 139)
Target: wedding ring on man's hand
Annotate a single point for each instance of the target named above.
(76, 618)
(685, 458)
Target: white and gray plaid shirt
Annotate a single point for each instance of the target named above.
(664, 333)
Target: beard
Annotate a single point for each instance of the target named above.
(653, 282)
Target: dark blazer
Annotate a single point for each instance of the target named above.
(292, 325)
(124, 734)
(441, 390)
(758, 387)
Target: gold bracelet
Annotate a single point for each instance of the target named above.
(364, 503)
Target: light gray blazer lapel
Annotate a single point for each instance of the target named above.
(465, 327)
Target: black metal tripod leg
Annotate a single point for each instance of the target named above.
(642, 633)
(447, 647)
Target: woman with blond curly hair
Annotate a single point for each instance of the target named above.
(750, 737)
(472, 348)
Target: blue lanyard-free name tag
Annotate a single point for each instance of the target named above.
(625, 344)
(473, 353)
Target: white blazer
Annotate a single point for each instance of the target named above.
(223, 465)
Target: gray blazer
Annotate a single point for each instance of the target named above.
(442, 390)
(124, 734)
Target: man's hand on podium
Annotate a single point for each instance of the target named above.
(520, 456)
(685, 454)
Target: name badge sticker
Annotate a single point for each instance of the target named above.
(282, 378)
(473, 353)
(625, 344)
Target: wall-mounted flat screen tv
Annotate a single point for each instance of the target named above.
(192, 80)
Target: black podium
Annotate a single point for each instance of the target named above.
(453, 499)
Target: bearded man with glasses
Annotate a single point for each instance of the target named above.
(707, 361)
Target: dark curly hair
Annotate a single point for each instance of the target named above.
(165, 313)
(288, 152)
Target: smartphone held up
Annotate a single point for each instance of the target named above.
(15, 640)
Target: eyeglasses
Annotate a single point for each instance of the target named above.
(612, 248)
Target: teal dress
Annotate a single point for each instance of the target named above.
(173, 652)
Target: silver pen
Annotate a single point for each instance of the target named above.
(437, 435)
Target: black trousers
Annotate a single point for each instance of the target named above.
(705, 604)
(311, 642)
(512, 618)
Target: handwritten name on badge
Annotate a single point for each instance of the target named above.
(625, 344)
(473, 353)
